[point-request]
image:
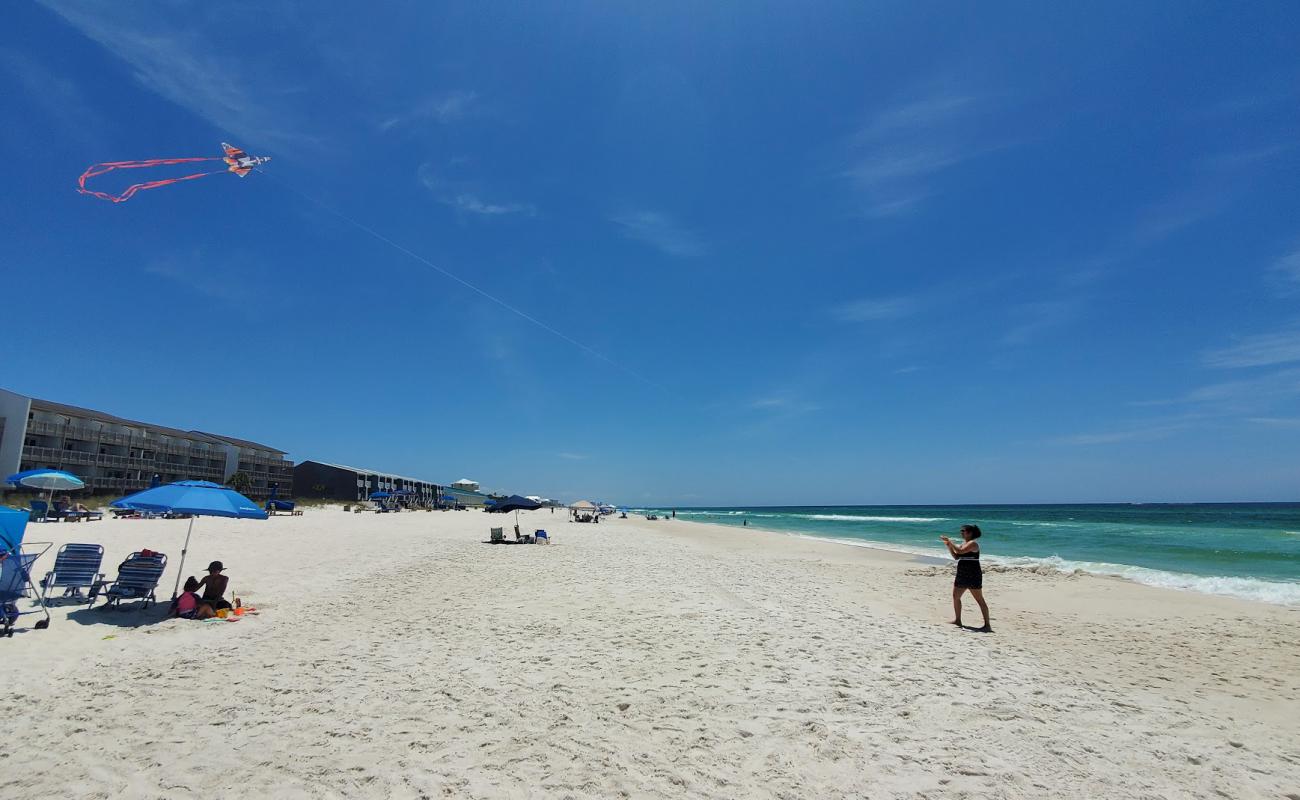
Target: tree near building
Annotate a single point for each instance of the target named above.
(241, 483)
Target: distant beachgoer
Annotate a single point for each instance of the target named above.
(189, 606)
(969, 575)
(674, 513)
(214, 586)
(745, 523)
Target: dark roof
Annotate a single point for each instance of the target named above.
(64, 408)
(361, 471)
(241, 442)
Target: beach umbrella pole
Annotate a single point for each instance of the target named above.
(184, 549)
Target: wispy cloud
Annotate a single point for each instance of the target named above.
(1256, 396)
(1290, 423)
(176, 60)
(871, 309)
(58, 97)
(442, 108)
(194, 272)
(1261, 350)
(1141, 434)
(1032, 320)
(574, 456)
(1247, 157)
(464, 196)
(659, 231)
(1180, 212)
(895, 159)
(1285, 273)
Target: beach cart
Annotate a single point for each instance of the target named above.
(16, 573)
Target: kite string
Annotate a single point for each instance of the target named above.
(416, 256)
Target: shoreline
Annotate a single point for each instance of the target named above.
(1281, 594)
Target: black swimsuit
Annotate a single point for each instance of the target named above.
(969, 574)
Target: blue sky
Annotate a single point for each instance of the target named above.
(771, 253)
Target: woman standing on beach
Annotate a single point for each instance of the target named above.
(969, 575)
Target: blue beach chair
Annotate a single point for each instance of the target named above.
(16, 572)
(41, 511)
(137, 578)
(75, 566)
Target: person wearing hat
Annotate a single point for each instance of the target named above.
(214, 586)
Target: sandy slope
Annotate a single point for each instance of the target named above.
(397, 656)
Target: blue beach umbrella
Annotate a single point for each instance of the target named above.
(196, 498)
(379, 495)
(48, 479)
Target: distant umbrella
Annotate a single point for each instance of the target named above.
(516, 503)
(379, 495)
(48, 479)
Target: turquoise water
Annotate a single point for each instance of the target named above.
(1243, 550)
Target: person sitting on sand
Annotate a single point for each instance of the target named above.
(214, 586)
(969, 575)
(189, 606)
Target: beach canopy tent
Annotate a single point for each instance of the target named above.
(584, 510)
(48, 479)
(516, 503)
(380, 495)
(196, 498)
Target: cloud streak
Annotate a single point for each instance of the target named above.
(442, 108)
(896, 158)
(873, 309)
(1118, 437)
(1261, 350)
(464, 197)
(178, 62)
(660, 232)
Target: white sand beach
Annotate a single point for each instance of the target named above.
(397, 656)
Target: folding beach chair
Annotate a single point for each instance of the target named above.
(16, 571)
(137, 578)
(75, 566)
(498, 536)
(41, 511)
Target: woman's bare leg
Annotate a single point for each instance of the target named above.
(956, 605)
(978, 594)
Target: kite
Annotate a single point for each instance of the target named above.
(237, 161)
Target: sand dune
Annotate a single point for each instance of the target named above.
(397, 656)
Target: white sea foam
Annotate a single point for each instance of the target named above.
(1264, 591)
(857, 518)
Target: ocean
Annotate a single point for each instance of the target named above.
(1246, 550)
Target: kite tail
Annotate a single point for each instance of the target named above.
(95, 170)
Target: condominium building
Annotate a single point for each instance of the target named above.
(117, 455)
(341, 482)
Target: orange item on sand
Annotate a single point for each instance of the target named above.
(239, 612)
